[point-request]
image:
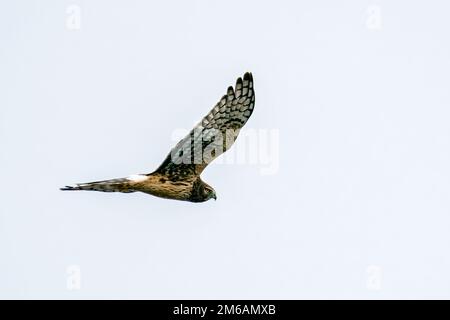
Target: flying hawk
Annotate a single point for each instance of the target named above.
(178, 177)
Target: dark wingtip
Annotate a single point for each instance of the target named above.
(68, 188)
(248, 76)
(230, 93)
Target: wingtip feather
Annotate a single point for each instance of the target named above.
(69, 188)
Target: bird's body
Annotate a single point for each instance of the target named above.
(178, 177)
(158, 185)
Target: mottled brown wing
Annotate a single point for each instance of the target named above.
(214, 135)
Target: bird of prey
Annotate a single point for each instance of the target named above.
(178, 177)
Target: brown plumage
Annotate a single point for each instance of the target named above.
(178, 177)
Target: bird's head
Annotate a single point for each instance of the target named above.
(202, 192)
(209, 193)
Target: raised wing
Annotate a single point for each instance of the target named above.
(214, 135)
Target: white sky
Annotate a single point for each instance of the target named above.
(359, 95)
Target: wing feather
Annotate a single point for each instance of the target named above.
(214, 134)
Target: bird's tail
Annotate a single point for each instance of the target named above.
(124, 185)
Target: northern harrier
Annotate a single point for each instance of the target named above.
(178, 177)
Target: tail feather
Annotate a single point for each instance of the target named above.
(114, 185)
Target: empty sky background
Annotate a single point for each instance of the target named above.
(357, 90)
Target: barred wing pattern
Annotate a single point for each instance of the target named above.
(214, 135)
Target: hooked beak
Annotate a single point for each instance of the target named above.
(214, 197)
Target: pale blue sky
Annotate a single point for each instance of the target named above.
(357, 90)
